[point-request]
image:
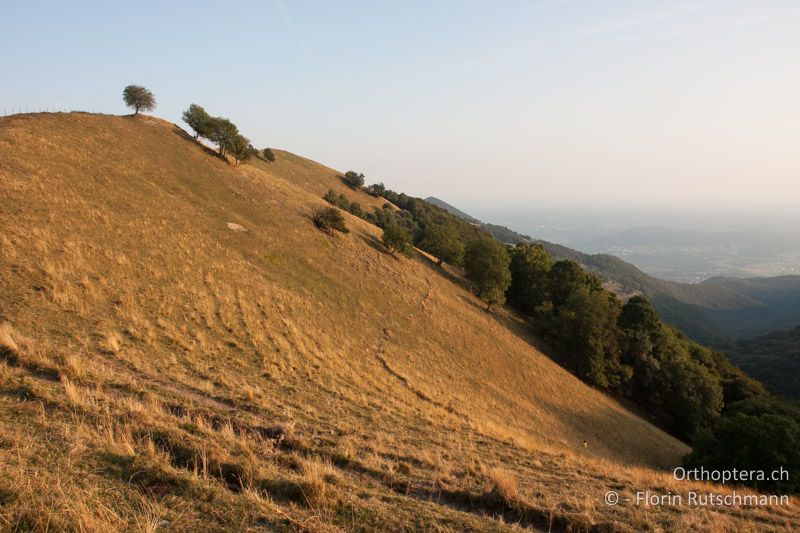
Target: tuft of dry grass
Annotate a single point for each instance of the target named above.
(113, 342)
(316, 482)
(76, 396)
(75, 366)
(503, 486)
(9, 349)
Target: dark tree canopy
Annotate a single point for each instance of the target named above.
(269, 155)
(567, 277)
(197, 119)
(353, 179)
(376, 189)
(530, 266)
(486, 263)
(396, 239)
(138, 98)
(442, 241)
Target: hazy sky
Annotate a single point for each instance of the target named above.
(557, 102)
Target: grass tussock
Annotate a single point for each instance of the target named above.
(9, 350)
(317, 482)
(503, 487)
(112, 342)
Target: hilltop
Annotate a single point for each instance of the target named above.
(184, 349)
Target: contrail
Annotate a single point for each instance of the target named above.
(287, 21)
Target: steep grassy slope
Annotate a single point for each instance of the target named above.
(161, 368)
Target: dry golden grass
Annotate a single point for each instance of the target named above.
(503, 485)
(8, 346)
(170, 372)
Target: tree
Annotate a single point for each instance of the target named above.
(395, 238)
(743, 441)
(486, 263)
(643, 341)
(530, 266)
(567, 277)
(197, 119)
(269, 155)
(139, 98)
(240, 148)
(353, 179)
(355, 209)
(329, 219)
(442, 241)
(376, 189)
(691, 394)
(223, 133)
(585, 331)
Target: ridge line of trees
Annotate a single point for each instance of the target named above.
(220, 131)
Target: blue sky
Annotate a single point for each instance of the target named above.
(528, 102)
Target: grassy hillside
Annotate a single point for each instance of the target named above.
(180, 348)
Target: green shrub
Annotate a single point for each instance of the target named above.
(353, 179)
(396, 239)
(329, 219)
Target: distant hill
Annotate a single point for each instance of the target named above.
(694, 255)
(501, 233)
(773, 359)
(451, 209)
(659, 235)
(717, 310)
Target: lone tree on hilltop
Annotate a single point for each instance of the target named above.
(486, 263)
(138, 98)
(354, 179)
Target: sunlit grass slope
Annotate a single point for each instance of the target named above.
(180, 348)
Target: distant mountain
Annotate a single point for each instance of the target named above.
(663, 236)
(451, 209)
(501, 233)
(715, 311)
(773, 359)
(694, 255)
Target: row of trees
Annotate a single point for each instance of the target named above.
(624, 347)
(220, 131)
(342, 202)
